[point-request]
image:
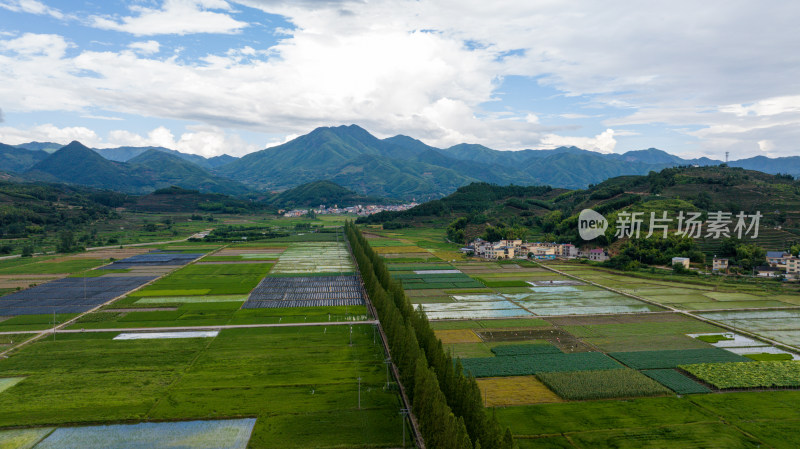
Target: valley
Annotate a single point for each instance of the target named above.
(269, 338)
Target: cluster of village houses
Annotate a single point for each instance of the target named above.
(368, 209)
(517, 249)
(778, 262)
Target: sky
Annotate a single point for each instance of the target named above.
(235, 76)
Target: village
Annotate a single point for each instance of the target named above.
(778, 263)
(517, 249)
(360, 210)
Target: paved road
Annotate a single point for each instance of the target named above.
(195, 328)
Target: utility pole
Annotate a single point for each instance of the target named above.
(404, 412)
(387, 362)
(359, 393)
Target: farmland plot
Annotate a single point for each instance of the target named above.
(457, 336)
(23, 438)
(780, 325)
(675, 381)
(747, 375)
(674, 358)
(615, 383)
(314, 257)
(68, 295)
(190, 299)
(222, 434)
(300, 382)
(739, 344)
(201, 280)
(423, 279)
(300, 291)
(564, 341)
(154, 258)
(515, 390)
(578, 300)
(473, 306)
(540, 363)
(754, 352)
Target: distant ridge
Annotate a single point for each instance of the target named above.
(77, 164)
(396, 167)
(151, 170)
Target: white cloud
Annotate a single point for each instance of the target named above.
(205, 141)
(702, 69)
(602, 143)
(31, 45)
(48, 133)
(766, 146)
(102, 117)
(766, 107)
(573, 116)
(146, 47)
(31, 7)
(174, 17)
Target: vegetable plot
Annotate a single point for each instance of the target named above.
(673, 358)
(541, 363)
(747, 375)
(618, 383)
(676, 381)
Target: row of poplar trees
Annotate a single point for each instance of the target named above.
(446, 402)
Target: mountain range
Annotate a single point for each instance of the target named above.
(397, 167)
(150, 170)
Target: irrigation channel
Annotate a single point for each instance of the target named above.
(671, 309)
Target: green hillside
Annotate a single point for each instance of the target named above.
(350, 157)
(150, 170)
(177, 199)
(314, 194)
(160, 169)
(17, 160)
(77, 164)
(552, 213)
(30, 211)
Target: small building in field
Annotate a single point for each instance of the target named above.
(719, 264)
(681, 261)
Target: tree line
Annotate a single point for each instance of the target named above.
(446, 401)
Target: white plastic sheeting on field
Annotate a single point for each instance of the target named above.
(157, 335)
